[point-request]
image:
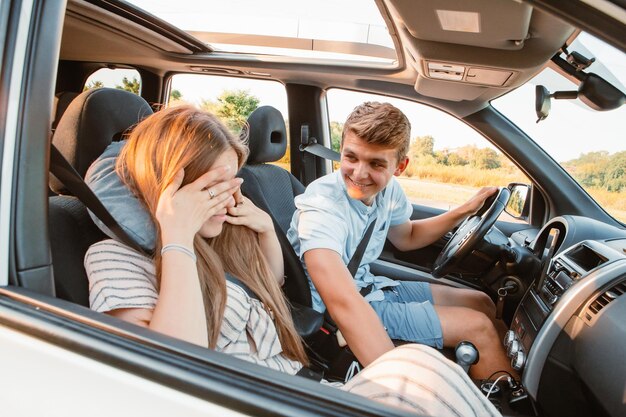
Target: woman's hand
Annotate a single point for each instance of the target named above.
(245, 213)
(181, 211)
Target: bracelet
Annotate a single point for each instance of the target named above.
(179, 248)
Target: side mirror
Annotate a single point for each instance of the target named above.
(518, 205)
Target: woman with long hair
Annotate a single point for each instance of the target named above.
(213, 246)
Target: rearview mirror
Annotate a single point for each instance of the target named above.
(518, 205)
(593, 90)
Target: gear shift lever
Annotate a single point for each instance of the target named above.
(466, 354)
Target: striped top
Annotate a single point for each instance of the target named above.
(119, 277)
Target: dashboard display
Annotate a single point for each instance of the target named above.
(585, 257)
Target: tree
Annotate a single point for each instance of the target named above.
(176, 95)
(93, 85)
(233, 107)
(336, 130)
(422, 145)
(455, 159)
(485, 158)
(130, 85)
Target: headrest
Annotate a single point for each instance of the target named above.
(62, 100)
(91, 122)
(267, 135)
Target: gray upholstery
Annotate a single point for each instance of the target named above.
(267, 135)
(273, 189)
(91, 122)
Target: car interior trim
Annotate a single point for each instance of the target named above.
(10, 134)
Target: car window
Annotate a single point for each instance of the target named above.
(232, 99)
(123, 79)
(449, 161)
(588, 144)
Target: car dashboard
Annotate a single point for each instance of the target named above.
(568, 334)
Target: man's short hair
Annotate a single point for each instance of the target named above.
(380, 124)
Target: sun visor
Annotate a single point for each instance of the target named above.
(493, 24)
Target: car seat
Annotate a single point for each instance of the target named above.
(90, 123)
(273, 189)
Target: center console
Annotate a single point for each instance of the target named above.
(558, 275)
(562, 289)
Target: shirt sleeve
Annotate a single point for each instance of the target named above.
(401, 207)
(321, 224)
(236, 316)
(119, 277)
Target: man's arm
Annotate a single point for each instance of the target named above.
(356, 319)
(416, 234)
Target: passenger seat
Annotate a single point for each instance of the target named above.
(90, 123)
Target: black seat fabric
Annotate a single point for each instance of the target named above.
(71, 234)
(273, 189)
(90, 123)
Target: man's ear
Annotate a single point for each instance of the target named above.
(401, 166)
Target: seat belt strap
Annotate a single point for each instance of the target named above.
(322, 152)
(66, 173)
(355, 261)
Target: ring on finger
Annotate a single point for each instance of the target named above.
(211, 193)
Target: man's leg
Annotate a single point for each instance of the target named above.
(462, 323)
(444, 295)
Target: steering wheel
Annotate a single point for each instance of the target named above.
(470, 233)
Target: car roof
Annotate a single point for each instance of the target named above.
(437, 62)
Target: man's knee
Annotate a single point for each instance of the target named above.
(472, 325)
(483, 303)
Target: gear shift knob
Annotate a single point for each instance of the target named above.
(466, 354)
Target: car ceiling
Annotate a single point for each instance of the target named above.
(508, 42)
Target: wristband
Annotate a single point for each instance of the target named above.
(179, 248)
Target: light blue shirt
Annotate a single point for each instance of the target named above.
(327, 218)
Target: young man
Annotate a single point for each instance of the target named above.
(332, 217)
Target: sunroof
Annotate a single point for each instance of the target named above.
(325, 29)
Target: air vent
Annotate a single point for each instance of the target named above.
(603, 300)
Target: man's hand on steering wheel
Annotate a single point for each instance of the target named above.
(477, 202)
(487, 206)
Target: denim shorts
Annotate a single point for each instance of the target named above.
(408, 314)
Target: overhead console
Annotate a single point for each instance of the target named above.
(461, 45)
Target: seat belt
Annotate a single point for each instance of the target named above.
(66, 173)
(311, 149)
(355, 261)
(353, 267)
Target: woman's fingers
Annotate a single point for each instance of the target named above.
(175, 184)
(227, 187)
(239, 198)
(210, 177)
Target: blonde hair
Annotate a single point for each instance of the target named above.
(184, 137)
(380, 124)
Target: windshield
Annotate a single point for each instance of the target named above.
(590, 145)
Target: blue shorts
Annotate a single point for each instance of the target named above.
(408, 314)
